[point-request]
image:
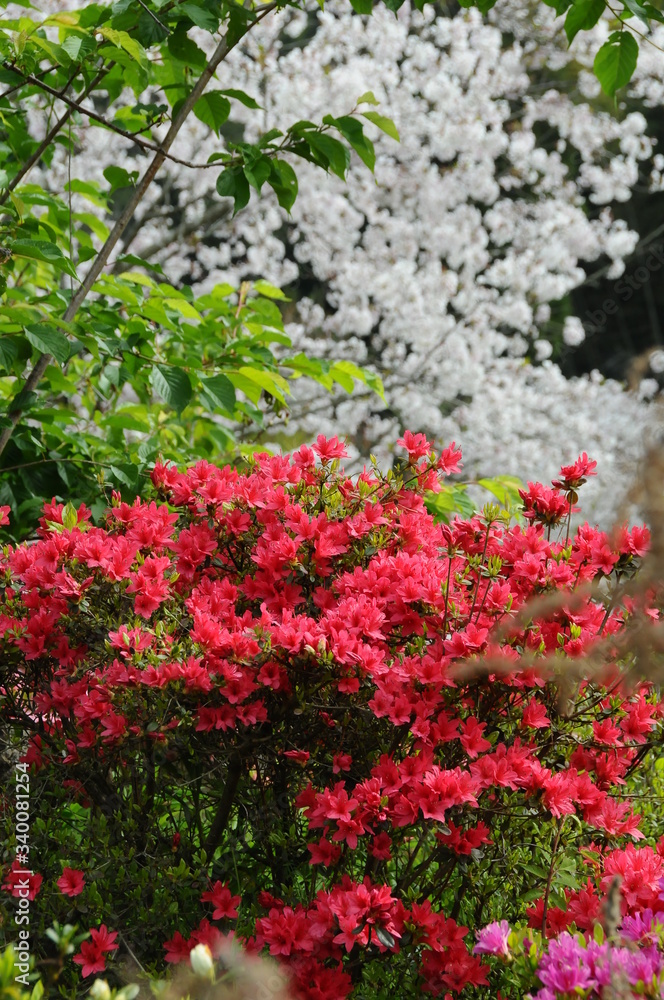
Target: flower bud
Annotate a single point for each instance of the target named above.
(100, 990)
(201, 961)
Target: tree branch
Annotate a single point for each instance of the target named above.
(140, 191)
(153, 147)
(223, 812)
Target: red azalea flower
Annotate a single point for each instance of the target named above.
(71, 882)
(416, 445)
(91, 955)
(225, 904)
(104, 939)
(327, 449)
(575, 475)
(299, 756)
(534, 715)
(177, 949)
(20, 883)
(91, 958)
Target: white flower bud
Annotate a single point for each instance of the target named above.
(100, 990)
(202, 962)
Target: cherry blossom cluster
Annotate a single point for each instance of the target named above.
(307, 710)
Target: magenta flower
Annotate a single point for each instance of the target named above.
(492, 939)
(565, 967)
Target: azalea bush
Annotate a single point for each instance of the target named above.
(324, 716)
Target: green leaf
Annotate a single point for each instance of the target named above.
(127, 473)
(386, 125)
(368, 98)
(222, 391)
(78, 46)
(362, 6)
(122, 40)
(385, 937)
(352, 131)
(202, 18)
(172, 384)
(560, 6)
(118, 177)
(616, 61)
(639, 10)
(653, 13)
(232, 183)
(69, 516)
(37, 991)
(182, 48)
(531, 895)
(50, 253)
(122, 420)
(47, 340)
(90, 191)
(226, 182)
(450, 500)
(266, 139)
(370, 379)
(212, 109)
(283, 181)
(239, 95)
(275, 384)
(332, 153)
(149, 32)
(258, 172)
(8, 352)
(270, 291)
(23, 400)
(504, 488)
(582, 15)
(134, 261)
(342, 378)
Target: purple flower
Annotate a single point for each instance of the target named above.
(598, 963)
(565, 967)
(641, 925)
(492, 940)
(642, 966)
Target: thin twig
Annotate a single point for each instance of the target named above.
(550, 877)
(153, 147)
(154, 17)
(49, 137)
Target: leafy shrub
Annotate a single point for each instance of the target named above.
(293, 706)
